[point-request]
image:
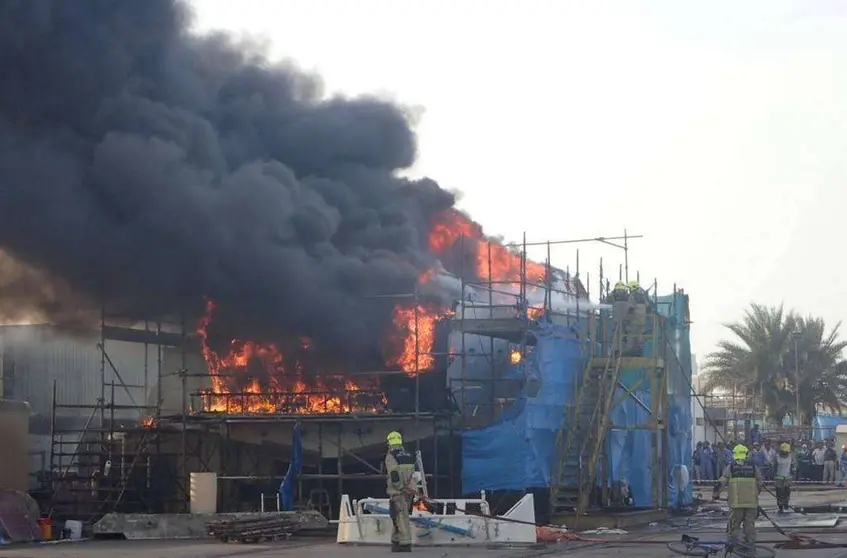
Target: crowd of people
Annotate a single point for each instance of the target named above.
(812, 461)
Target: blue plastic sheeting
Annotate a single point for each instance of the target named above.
(679, 420)
(286, 488)
(823, 427)
(631, 450)
(516, 451)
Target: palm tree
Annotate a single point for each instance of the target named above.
(823, 375)
(763, 359)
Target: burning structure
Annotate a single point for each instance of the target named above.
(188, 180)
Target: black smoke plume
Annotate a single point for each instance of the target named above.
(147, 167)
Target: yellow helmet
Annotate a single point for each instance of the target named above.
(394, 439)
(620, 285)
(739, 452)
(634, 285)
(784, 447)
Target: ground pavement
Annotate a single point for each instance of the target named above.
(708, 525)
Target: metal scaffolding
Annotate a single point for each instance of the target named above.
(344, 441)
(506, 312)
(501, 310)
(143, 463)
(118, 460)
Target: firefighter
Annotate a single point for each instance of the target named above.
(745, 482)
(621, 304)
(635, 289)
(784, 473)
(636, 328)
(620, 292)
(400, 467)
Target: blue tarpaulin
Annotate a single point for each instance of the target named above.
(286, 488)
(517, 451)
(514, 452)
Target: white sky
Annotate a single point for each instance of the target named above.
(718, 130)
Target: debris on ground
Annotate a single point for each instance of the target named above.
(552, 534)
(253, 529)
(604, 531)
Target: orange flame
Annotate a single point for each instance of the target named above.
(253, 377)
(515, 357)
(534, 312)
(238, 389)
(420, 505)
(148, 422)
(504, 264)
(417, 328)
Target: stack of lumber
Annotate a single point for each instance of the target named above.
(253, 529)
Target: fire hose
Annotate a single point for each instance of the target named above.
(568, 536)
(795, 541)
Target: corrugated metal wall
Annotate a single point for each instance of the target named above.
(32, 356)
(14, 426)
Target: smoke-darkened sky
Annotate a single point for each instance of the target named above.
(152, 168)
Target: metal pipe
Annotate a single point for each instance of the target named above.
(604, 239)
(797, 375)
(548, 296)
(339, 464)
(108, 360)
(103, 363)
(53, 428)
(417, 371)
(146, 361)
(490, 339)
(462, 326)
(575, 283)
(524, 302)
(600, 294)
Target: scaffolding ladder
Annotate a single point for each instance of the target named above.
(581, 437)
(421, 483)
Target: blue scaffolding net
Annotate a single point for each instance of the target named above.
(517, 451)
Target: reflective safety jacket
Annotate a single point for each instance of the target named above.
(744, 482)
(400, 467)
(784, 466)
(620, 294)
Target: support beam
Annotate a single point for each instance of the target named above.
(132, 335)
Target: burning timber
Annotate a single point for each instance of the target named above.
(447, 361)
(296, 377)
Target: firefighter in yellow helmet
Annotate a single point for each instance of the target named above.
(637, 323)
(400, 467)
(745, 483)
(784, 474)
(618, 294)
(621, 306)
